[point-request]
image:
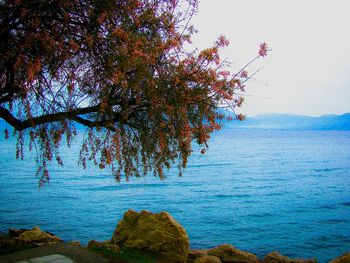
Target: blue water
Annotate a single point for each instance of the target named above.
(259, 190)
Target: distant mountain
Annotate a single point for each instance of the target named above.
(284, 122)
(295, 122)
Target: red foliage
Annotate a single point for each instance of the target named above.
(263, 50)
(120, 69)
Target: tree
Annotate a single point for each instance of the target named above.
(119, 68)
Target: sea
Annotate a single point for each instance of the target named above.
(259, 190)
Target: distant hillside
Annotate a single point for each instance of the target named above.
(296, 122)
(284, 122)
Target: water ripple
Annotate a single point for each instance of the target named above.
(258, 190)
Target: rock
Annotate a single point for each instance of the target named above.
(207, 259)
(342, 259)
(157, 234)
(18, 239)
(228, 253)
(13, 232)
(8, 245)
(107, 245)
(37, 237)
(275, 257)
(75, 243)
(197, 253)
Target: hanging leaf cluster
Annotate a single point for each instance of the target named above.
(119, 68)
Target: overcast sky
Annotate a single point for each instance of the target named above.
(308, 70)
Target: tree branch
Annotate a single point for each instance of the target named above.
(48, 118)
(92, 124)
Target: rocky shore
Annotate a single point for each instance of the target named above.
(157, 236)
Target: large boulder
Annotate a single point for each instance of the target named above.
(275, 257)
(230, 254)
(37, 237)
(18, 239)
(158, 234)
(342, 259)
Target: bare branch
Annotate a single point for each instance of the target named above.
(20, 125)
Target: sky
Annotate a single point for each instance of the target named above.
(308, 69)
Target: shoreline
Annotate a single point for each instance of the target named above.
(155, 237)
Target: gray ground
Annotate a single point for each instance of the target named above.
(73, 252)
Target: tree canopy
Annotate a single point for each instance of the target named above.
(123, 69)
